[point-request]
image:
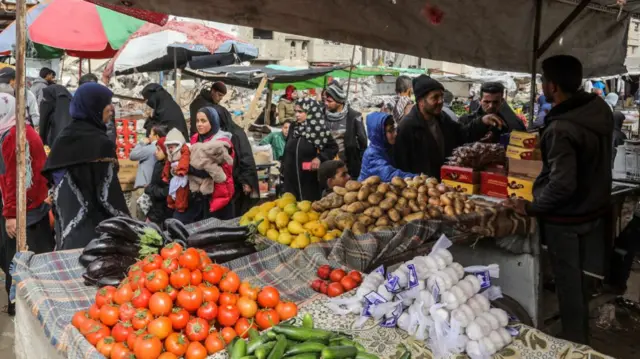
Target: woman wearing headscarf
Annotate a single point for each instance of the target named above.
(39, 234)
(83, 170)
(54, 112)
(211, 174)
(309, 143)
(285, 104)
(166, 111)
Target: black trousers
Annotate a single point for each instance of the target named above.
(625, 247)
(577, 254)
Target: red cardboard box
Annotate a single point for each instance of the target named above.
(459, 174)
(494, 184)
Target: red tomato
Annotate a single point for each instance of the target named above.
(213, 274)
(286, 310)
(190, 298)
(230, 282)
(357, 276)
(214, 343)
(267, 318)
(196, 350)
(316, 284)
(172, 292)
(127, 311)
(80, 318)
(121, 331)
(121, 351)
(179, 318)
(197, 329)
(210, 293)
(97, 332)
(180, 278)
(324, 271)
(324, 287)
(171, 251)
(141, 319)
(204, 259)
(160, 304)
(109, 314)
(123, 294)
(247, 307)
(149, 347)
(228, 334)
(246, 290)
(151, 262)
(228, 315)
(336, 275)
(134, 268)
(268, 297)
(88, 325)
(348, 283)
(105, 346)
(242, 327)
(335, 289)
(176, 343)
(133, 337)
(137, 280)
(190, 259)
(105, 295)
(160, 327)
(141, 298)
(208, 311)
(169, 265)
(167, 355)
(157, 280)
(196, 277)
(227, 298)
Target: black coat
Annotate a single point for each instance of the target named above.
(304, 184)
(416, 151)
(513, 123)
(166, 112)
(618, 136)
(355, 142)
(54, 112)
(158, 190)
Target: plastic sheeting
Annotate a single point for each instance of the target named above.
(495, 34)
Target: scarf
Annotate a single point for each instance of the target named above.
(7, 112)
(288, 92)
(313, 128)
(337, 116)
(214, 121)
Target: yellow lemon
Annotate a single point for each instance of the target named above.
(252, 212)
(260, 217)
(265, 207)
(315, 239)
(283, 202)
(245, 220)
(273, 234)
(300, 217)
(313, 215)
(336, 232)
(290, 209)
(285, 238)
(318, 231)
(329, 237)
(273, 212)
(302, 240)
(295, 227)
(305, 206)
(282, 219)
(263, 227)
(311, 224)
(289, 196)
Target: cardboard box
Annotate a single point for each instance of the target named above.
(520, 153)
(459, 174)
(467, 188)
(128, 171)
(520, 187)
(494, 184)
(524, 139)
(524, 168)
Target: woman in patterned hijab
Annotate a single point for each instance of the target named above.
(309, 144)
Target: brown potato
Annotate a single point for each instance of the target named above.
(374, 212)
(467, 211)
(433, 192)
(353, 186)
(345, 221)
(375, 198)
(433, 201)
(414, 217)
(324, 215)
(359, 228)
(459, 210)
(333, 200)
(366, 205)
(340, 190)
(431, 185)
(423, 189)
(331, 222)
(458, 203)
(398, 182)
(383, 188)
(445, 200)
(394, 214)
(350, 197)
(402, 201)
(355, 208)
(442, 188)
(422, 198)
(435, 212)
(383, 221)
(387, 203)
(414, 206)
(366, 220)
(381, 228)
(344, 207)
(391, 195)
(432, 180)
(317, 206)
(410, 193)
(449, 211)
(363, 193)
(370, 228)
(423, 206)
(372, 181)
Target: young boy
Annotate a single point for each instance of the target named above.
(157, 189)
(331, 174)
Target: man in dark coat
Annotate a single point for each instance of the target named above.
(571, 196)
(54, 112)
(427, 136)
(492, 103)
(166, 111)
(207, 97)
(346, 128)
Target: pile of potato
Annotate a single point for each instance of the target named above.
(371, 206)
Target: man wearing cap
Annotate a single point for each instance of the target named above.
(346, 127)
(492, 103)
(207, 97)
(426, 136)
(8, 86)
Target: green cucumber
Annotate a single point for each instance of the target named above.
(291, 343)
(302, 334)
(339, 352)
(365, 355)
(307, 347)
(263, 350)
(305, 356)
(249, 357)
(278, 350)
(239, 349)
(254, 343)
(253, 334)
(307, 321)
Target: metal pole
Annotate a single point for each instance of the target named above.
(21, 44)
(353, 55)
(534, 59)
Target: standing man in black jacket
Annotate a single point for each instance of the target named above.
(427, 136)
(571, 196)
(492, 103)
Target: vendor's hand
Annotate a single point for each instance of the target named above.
(246, 189)
(493, 120)
(488, 137)
(10, 226)
(315, 164)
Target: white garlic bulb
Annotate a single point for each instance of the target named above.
(502, 316)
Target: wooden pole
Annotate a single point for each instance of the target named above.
(254, 103)
(21, 44)
(267, 108)
(353, 56)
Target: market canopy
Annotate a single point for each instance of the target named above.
(495, 34)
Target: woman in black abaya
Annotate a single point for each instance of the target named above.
(166, 112)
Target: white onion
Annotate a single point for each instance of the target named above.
(444, 254)
(489, 345)
(493, 321)
(497, 340)
(502, 316)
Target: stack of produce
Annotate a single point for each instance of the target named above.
(222, 244)
(289, 222)
(339, 281)
(122, 241)
(478, 155)
(178, 304)
(371, 206)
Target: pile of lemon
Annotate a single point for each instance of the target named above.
(289, 222)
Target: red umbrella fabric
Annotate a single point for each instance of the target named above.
(146, 15)
(210, 38)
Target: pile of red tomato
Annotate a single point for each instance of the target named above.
(178, 304)
(339, 281)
